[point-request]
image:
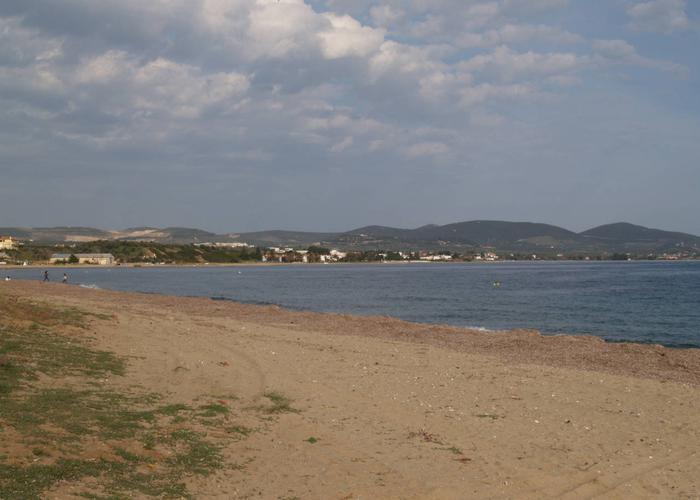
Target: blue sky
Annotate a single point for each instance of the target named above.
(238, 115)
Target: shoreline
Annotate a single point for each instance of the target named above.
(375, 407)
(372, 263)
(475, 328)
(569, 350)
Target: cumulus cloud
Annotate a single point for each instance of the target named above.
(661, 16)
(278, 28)
(227, 88)
(506, 64)
(347, 37)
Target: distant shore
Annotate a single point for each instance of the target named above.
(303, 264)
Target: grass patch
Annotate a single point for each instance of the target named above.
(20, 311)
(240, 430)
(28, 482)
(311, 440)
(25, 353)
(198, 456)
(213, 410)
(58, 425)
(173, 409)
(279, 404)
(487, 415)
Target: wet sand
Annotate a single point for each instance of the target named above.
(403, 410)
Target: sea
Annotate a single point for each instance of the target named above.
(649, 302)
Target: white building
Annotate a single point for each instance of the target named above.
(436, 258)
(338, 255)
(7, 243)
(100, 259)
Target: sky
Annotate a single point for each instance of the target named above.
(327, 115)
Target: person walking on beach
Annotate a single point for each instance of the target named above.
(65, 278)
(46, 276)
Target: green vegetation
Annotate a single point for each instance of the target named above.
(137, 252)
(280, 404)
(141, 252)
(213, 410)
(487, 415)
(240, 430)
(55, 406)
(319, 250)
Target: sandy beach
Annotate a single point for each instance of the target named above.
(383, 408)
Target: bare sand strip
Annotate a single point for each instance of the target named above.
(400, 410)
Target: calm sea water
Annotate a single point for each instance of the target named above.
(655, 302)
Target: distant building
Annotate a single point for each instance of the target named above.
(436, 258)
(7, 243)
(100, 259)
(338, 255)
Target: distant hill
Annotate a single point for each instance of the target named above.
(624, 236)
(623, 231)
(496, 233)
(285, 238)
(57, 234)
(522, 237)
(16, 232)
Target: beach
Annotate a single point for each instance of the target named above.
(375, 407)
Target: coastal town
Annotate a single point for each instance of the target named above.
(14, 251)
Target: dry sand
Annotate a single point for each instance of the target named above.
(402, 410)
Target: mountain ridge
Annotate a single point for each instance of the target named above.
(502, 235)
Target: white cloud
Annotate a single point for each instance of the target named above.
(661, 16)
(231, 76)
(622, 52)
(280, 27)
(347, 37)
(342, 145)
(20, 46)
(121, 85)
(433, 149)
(395, 58)
(104, 68)
(386, 15)
(518, 33)
(506, 64)
(472, 96)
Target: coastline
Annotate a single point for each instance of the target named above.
(369, 263)
(405, 410)
(520, 345)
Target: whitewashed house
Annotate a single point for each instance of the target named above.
(100, 259)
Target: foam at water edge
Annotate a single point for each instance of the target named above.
(478, 328)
